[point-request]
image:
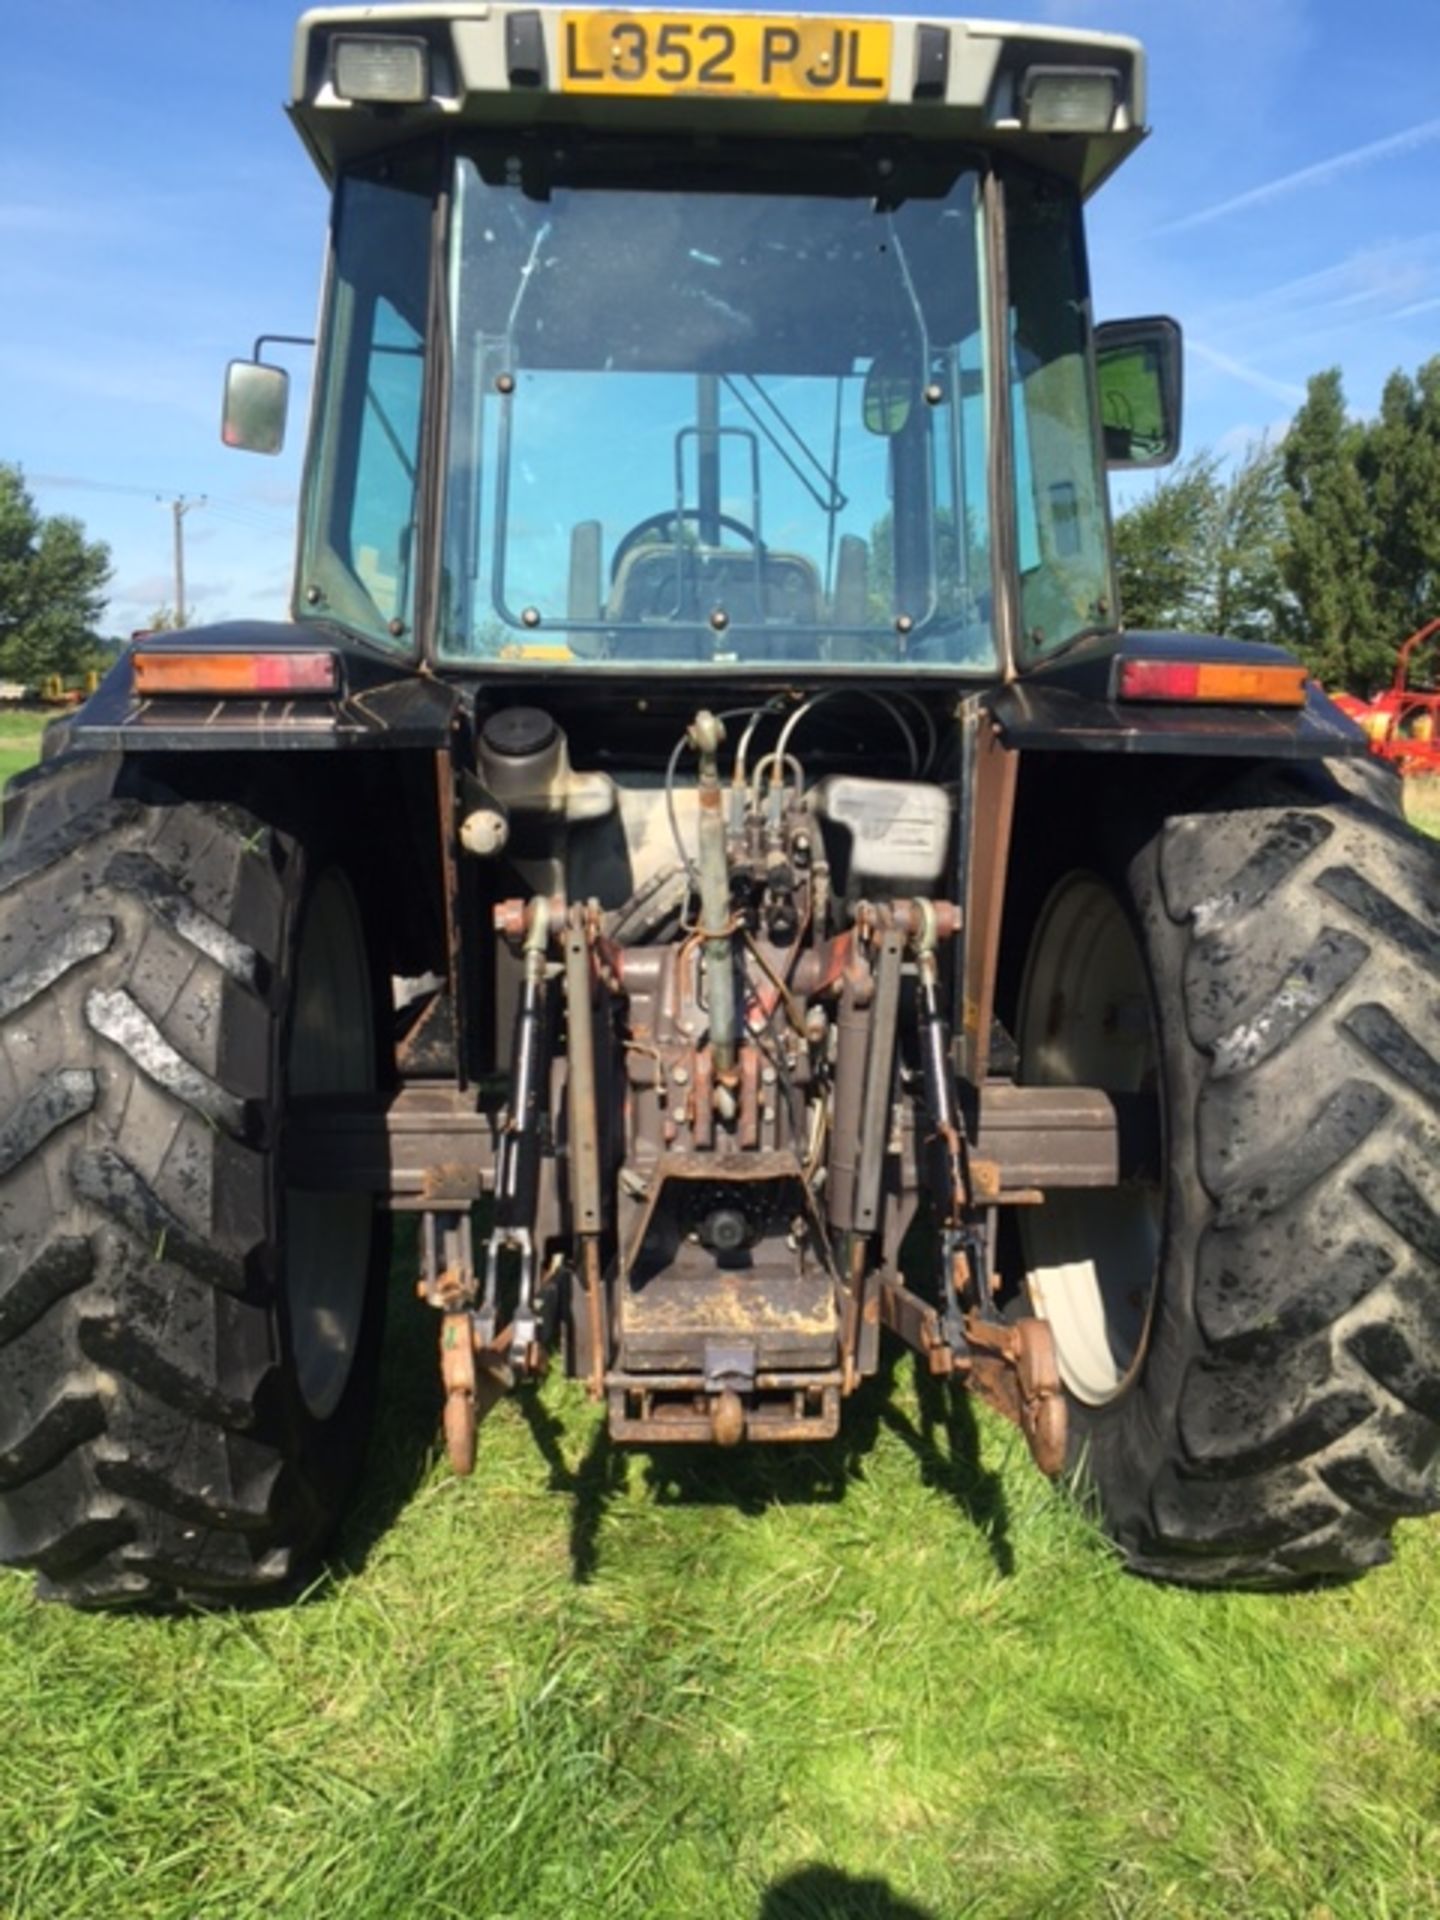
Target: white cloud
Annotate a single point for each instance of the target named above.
(1320, 174)
(1241, 440)
(150, 591)
(1238, 370)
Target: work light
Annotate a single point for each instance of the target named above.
(1069, 99)
(381, 71)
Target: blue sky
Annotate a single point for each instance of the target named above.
(157, 212)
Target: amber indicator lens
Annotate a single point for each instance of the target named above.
(235, 673)
(1216, 682)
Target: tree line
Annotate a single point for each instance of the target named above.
(1326, 542)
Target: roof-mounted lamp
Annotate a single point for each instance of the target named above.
(380, 71)
(1069, 99)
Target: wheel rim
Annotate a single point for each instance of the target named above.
(1086, 1020)
(331, 1050)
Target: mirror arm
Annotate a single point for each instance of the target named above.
(280, 340)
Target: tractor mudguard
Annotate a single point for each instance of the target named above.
(376, 702)
(1076, 706)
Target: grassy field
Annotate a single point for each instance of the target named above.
(20, 732)
(899, 1679)
(1422, 803)
(896, 1679)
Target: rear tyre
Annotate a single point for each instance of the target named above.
(187, 1352)
(1249, 1335)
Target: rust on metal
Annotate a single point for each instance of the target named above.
(429, 1144)
(1012, 1367)
(916, 1322)
(448, 1184)
(457, 1376)
(821, 968)
(513, 919)
(796, 1307)
(1065, 1136)
(429, 1046)
(727, 1418)
(703, 1125)
(591, 1286)
(646, 1416)
(912, 918)
(985, 1178)
(747, 1132)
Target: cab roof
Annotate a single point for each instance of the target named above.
(513, 66)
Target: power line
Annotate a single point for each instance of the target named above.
(93, 486)
(221, 502)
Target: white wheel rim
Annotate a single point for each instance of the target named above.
(327, 1235)
(1086, 1020)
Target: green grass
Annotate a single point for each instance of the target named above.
(20, 731)
(894, 1678)
(1422, 803)
(15, 757)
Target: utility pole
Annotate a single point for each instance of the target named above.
(179, 507)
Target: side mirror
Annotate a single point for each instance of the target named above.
(1140, 379)
(257, 397)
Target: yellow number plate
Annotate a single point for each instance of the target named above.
(792, 58)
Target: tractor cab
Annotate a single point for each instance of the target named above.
(663, 340)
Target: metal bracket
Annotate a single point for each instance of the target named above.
(1012, 1367)
(447, 1261)
(731, 1366)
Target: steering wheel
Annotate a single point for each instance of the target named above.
(658, 522)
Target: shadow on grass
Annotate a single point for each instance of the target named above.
(824, 1893)
(945, 1442)
(405, 1432)
(592, 1485)
(954, 1469)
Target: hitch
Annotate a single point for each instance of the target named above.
(473, 1366)
(1012, 1368)
(1010, 1363)
(478, 1360)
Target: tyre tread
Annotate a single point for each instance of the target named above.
(143, 1458)
(1307, 1421)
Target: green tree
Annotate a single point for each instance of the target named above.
(52, 588)
(1160, 548)
(1399, 462)
(163, 619)
(1334, 621)
(1201, 552)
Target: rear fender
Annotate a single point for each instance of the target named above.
(1070, 706)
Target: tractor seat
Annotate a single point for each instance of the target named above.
(660, 584)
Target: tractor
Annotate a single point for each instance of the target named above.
(707, 847)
